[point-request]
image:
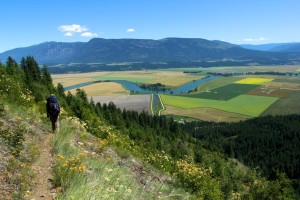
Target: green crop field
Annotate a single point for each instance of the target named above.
(206, 114)
(249, 105)
(215, 83)
(225, 92)
(289, 104)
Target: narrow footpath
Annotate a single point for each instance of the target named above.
(42, 188)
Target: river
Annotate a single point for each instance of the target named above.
(133, 87)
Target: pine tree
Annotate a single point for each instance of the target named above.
(46, 77)
(11, 66)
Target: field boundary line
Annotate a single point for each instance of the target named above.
(163, 107)
(151, 104)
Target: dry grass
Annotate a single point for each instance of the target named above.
(73, 79)
(269, 91)
(207, 114)
(173, 79)
(103, 89)
(283, 85)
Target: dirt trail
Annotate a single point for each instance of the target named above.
(42, 188)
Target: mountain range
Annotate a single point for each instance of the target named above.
(100, 50)
(274, 47)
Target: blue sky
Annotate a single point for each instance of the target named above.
(28, 22)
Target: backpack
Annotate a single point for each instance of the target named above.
(53, 105)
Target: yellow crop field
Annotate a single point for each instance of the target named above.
(255, 81)
(103, 89)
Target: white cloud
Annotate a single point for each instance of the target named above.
(72, 28)
(89, 34)
(68, 34)
(255, 39)
(130, 30)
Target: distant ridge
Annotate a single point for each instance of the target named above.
(100, 50)
(274, 47)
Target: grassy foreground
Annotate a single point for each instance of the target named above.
(86, 167)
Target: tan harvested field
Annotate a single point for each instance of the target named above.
(103, 89)
(284, 85)
(173, 79)
(207, 114)
(275, 89)
(73, 79)
(138, 103)
(271, 92)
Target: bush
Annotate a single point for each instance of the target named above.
(13, 91)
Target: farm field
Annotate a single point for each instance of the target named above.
(254, 81)
(217, 83)
(137, 103)
(206, 114)
(103, 88)
(239, 69)
(73, 79)
(289, 104)
(230, 98)
(249, 105)
(276, 89)
(288, 80)
(168, 78)
(225, 92)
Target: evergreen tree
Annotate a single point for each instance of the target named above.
(46, 77)
(11, 66)
(61, 90)
(31, 70)
(2, 69)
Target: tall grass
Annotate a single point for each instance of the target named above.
(102, 177)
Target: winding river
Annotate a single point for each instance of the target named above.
(133, 87)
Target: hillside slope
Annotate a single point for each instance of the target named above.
(83, 166)
(101, 152)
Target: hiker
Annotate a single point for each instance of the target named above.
(53, 111)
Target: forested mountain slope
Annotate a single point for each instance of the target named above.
(100, 50)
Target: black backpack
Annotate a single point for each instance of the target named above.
(53, 105)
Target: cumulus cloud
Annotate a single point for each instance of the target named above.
(255, 39)
(72, 28)
(130, 30)
(89, 34)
